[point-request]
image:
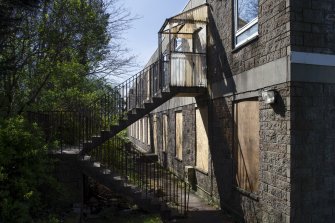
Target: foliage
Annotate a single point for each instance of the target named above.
(137, 219)
(27, 189)
(54, 55)
(128, 218)
(58, 57)
(7, 15)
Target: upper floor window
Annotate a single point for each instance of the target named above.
(246, 20)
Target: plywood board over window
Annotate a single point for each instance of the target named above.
(154, 132)
(246, 155)
(148, 131)
(165, 132)
(201, 117)
(140, 129)
(144, 122)
(179, 135)
(136, 130)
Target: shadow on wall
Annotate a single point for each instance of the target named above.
(279, 106)
(221, 125)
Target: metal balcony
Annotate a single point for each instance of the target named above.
(182, 49)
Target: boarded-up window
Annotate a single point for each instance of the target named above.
(148, 131)
(140, 129)
(136, 130)
(201, 117)
(132, 130)
(179, 135)
(165, 132)
(246, 155)
(144, 123)
(154, 132)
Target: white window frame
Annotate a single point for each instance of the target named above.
(240, 31)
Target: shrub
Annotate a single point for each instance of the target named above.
(26, 182)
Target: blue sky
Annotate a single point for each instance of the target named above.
(141, 39)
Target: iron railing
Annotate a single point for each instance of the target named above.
(188, 70)
(179, 69)
(145, 172)
(72, 129)
(65, 130)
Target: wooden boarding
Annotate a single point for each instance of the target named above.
(179, 135)
(202, 147)
(165, 132)
(246, 153)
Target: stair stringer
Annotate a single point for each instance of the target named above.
(120, 185)
(130, 117)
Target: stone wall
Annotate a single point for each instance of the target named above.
(271, 203)
(188, 138)
(297, 171)
(312, 152)
(205, 182)
(275, 160)
(312, 25)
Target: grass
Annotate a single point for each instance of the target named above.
(128, 219)
(131, 218)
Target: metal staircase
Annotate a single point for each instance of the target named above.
(180, 70)
(135, 98)
(92, 132)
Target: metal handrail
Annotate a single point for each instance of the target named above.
(150, 176)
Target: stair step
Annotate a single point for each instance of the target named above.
(117, 178)
(132, 118)
(96, 139)
(87, 145)
(96, 164)
(86, 158)
(105, 134)
(148, 158)
(121, 119)
(106, 171)
(113, 126)
(156, 97)
(148, 104)
(165, 93)
(145, 200)
(136, 111)
(123, 124)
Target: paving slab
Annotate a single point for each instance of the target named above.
(202, 212)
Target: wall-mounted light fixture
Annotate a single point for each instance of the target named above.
(269, 96)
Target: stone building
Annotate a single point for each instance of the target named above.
(260, 160)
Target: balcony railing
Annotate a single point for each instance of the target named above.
(188, 70)
(179, 70)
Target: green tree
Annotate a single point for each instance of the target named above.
(26, 182)
(62, 54)
(54, 55)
